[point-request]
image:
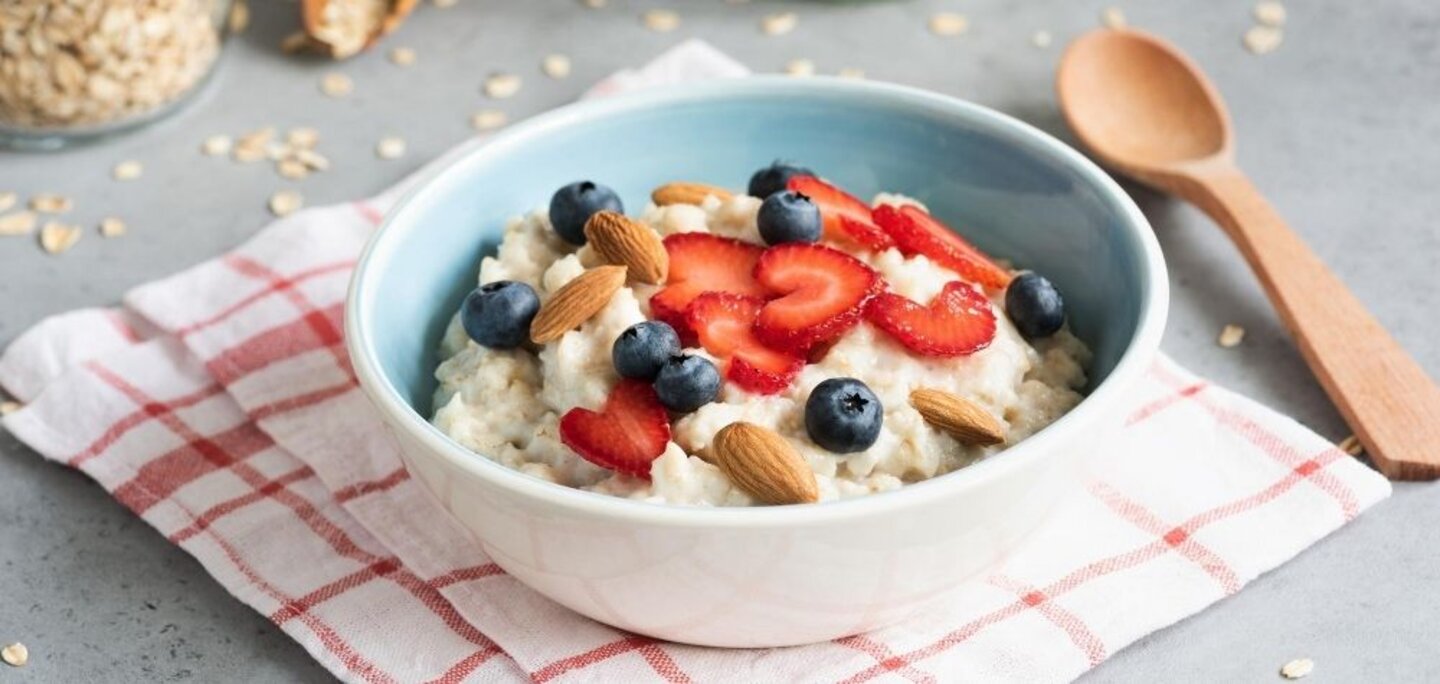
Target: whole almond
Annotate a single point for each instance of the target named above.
(958, 417)
(623, 241)
(681, 192)
(576, 302)
(763, 464)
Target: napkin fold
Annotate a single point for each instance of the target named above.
(219, 405)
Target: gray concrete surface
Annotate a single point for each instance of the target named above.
(1340, 127)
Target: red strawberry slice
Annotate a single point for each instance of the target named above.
(958, 321)
(822, 292)
(846, 218)
(724, 324)
(626, 435)
(916, 232)
(700, 262)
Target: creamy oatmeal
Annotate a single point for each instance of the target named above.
(507, 404)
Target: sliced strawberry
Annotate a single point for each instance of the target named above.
(626, 435)
(846, 218)
(821, 292)
(724, 324)
(958, 321)
(669, 305)
(916, 232)
(700, 262)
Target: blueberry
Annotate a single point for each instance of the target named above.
(843, 415)
(686, 383)
(789, 216)
(772, 179)
(643, 348)
(1034, 305)
(572, 205)
(498, 314)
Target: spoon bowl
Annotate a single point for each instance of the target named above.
(1140, 105)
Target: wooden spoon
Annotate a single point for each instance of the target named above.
(1145, 109)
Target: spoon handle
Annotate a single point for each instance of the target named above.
(1385, 396)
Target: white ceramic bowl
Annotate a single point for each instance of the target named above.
(767, 576)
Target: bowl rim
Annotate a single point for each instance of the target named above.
(1134, 361)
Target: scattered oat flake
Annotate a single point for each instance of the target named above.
(8, 200)
(555, 66)
(312, 159)
(276, 150)
(7, 408)
(336, 84)
(294, 42)
(1297, 668)
(1231, 335)
(48, 203)
(1113, 17)
(249, 153)
(216, 145)
(1270, 13)
(1263, 39)
(257, 138)
(501, 86)
(285, 202)
(402, 56)
(800, 67)
(111, 227)
(779, 24)
(253, 146)
(302, 138)
(127, 170)
(390, 148)
(1351, 445)
(444, 4)
(851, 72)
(239, 16)
(488, 119)
(18, 223)
(1041, 39)
(292, 168)
(948, 24)
(660, 20)
(57, 237)
(15, 655)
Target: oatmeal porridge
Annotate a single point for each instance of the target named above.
(784, 345)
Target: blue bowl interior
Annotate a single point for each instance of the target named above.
(1000, 185)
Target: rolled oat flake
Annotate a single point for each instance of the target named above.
(217, 146)
(336, 84)
(285, 202)
(15, 655)
(501, 86)
(390, 148)
(112, 227)
(128, 170)
(660, 20)
(488, 119)
(49, 203)
(1298, 668)
(57, 237)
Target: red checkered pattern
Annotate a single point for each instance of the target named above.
(219, 405)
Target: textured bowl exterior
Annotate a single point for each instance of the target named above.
(769, 576)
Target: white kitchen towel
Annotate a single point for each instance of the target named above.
(219, 405)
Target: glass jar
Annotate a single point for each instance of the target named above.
(72, 70)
